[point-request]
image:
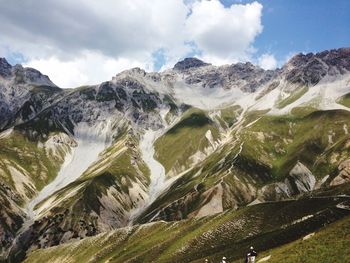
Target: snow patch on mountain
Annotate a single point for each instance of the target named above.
(302, 219)
(308, 236)
(264, 259)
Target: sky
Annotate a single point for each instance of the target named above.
(87, 41)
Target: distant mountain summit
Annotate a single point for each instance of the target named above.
(5, 68)
(188, 63)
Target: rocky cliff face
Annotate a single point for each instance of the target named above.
(188, 142)
(309, 69)
(24, 92)
(189, 63)
(243, 76)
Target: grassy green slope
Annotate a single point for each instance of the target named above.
(184, 139)
(331, 244)
(345, 100)
(280, 141)
(265, 226)
(99, 200)
(223, 169)
(270, 148)
(296, 94)
(24, 155)
(229, 115)
(25, 168)
(120, 168)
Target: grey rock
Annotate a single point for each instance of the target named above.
(343, 175)
(300, 179)
(188, 63)
(243, 76)
(5, 68)
(310, 69)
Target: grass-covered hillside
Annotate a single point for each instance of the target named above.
(265, 226)
(32, 163)
(296, 94)
(331, 244)
(26, 166)
(345, 100)
(292, 153)
(99, 200)
(186, 141)
(319, 139)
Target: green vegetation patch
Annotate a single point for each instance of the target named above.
(331, 244)
(265, 226)
(24, 154)
(295, 95)
(280, 141)
(230, 114)
(345, 100)
(184, 139)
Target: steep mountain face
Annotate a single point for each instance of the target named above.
(243, 76)
(189, 142)
(24, 92)
(309, 69)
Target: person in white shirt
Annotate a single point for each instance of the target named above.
(251, 256)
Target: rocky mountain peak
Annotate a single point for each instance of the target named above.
(5, 68)
(4, 63)
(131, 72)
(338, 58)
(310, 68)
(31, 76)
(23, 75)
(188, 63)
(245, 68)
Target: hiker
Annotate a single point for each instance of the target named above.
(223, 260)
(251, 256)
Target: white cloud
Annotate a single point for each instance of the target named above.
(87, 41)
(90, 68)
(267, 61)
(224, 34)
(114, 28)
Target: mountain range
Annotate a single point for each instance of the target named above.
(197, 161)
